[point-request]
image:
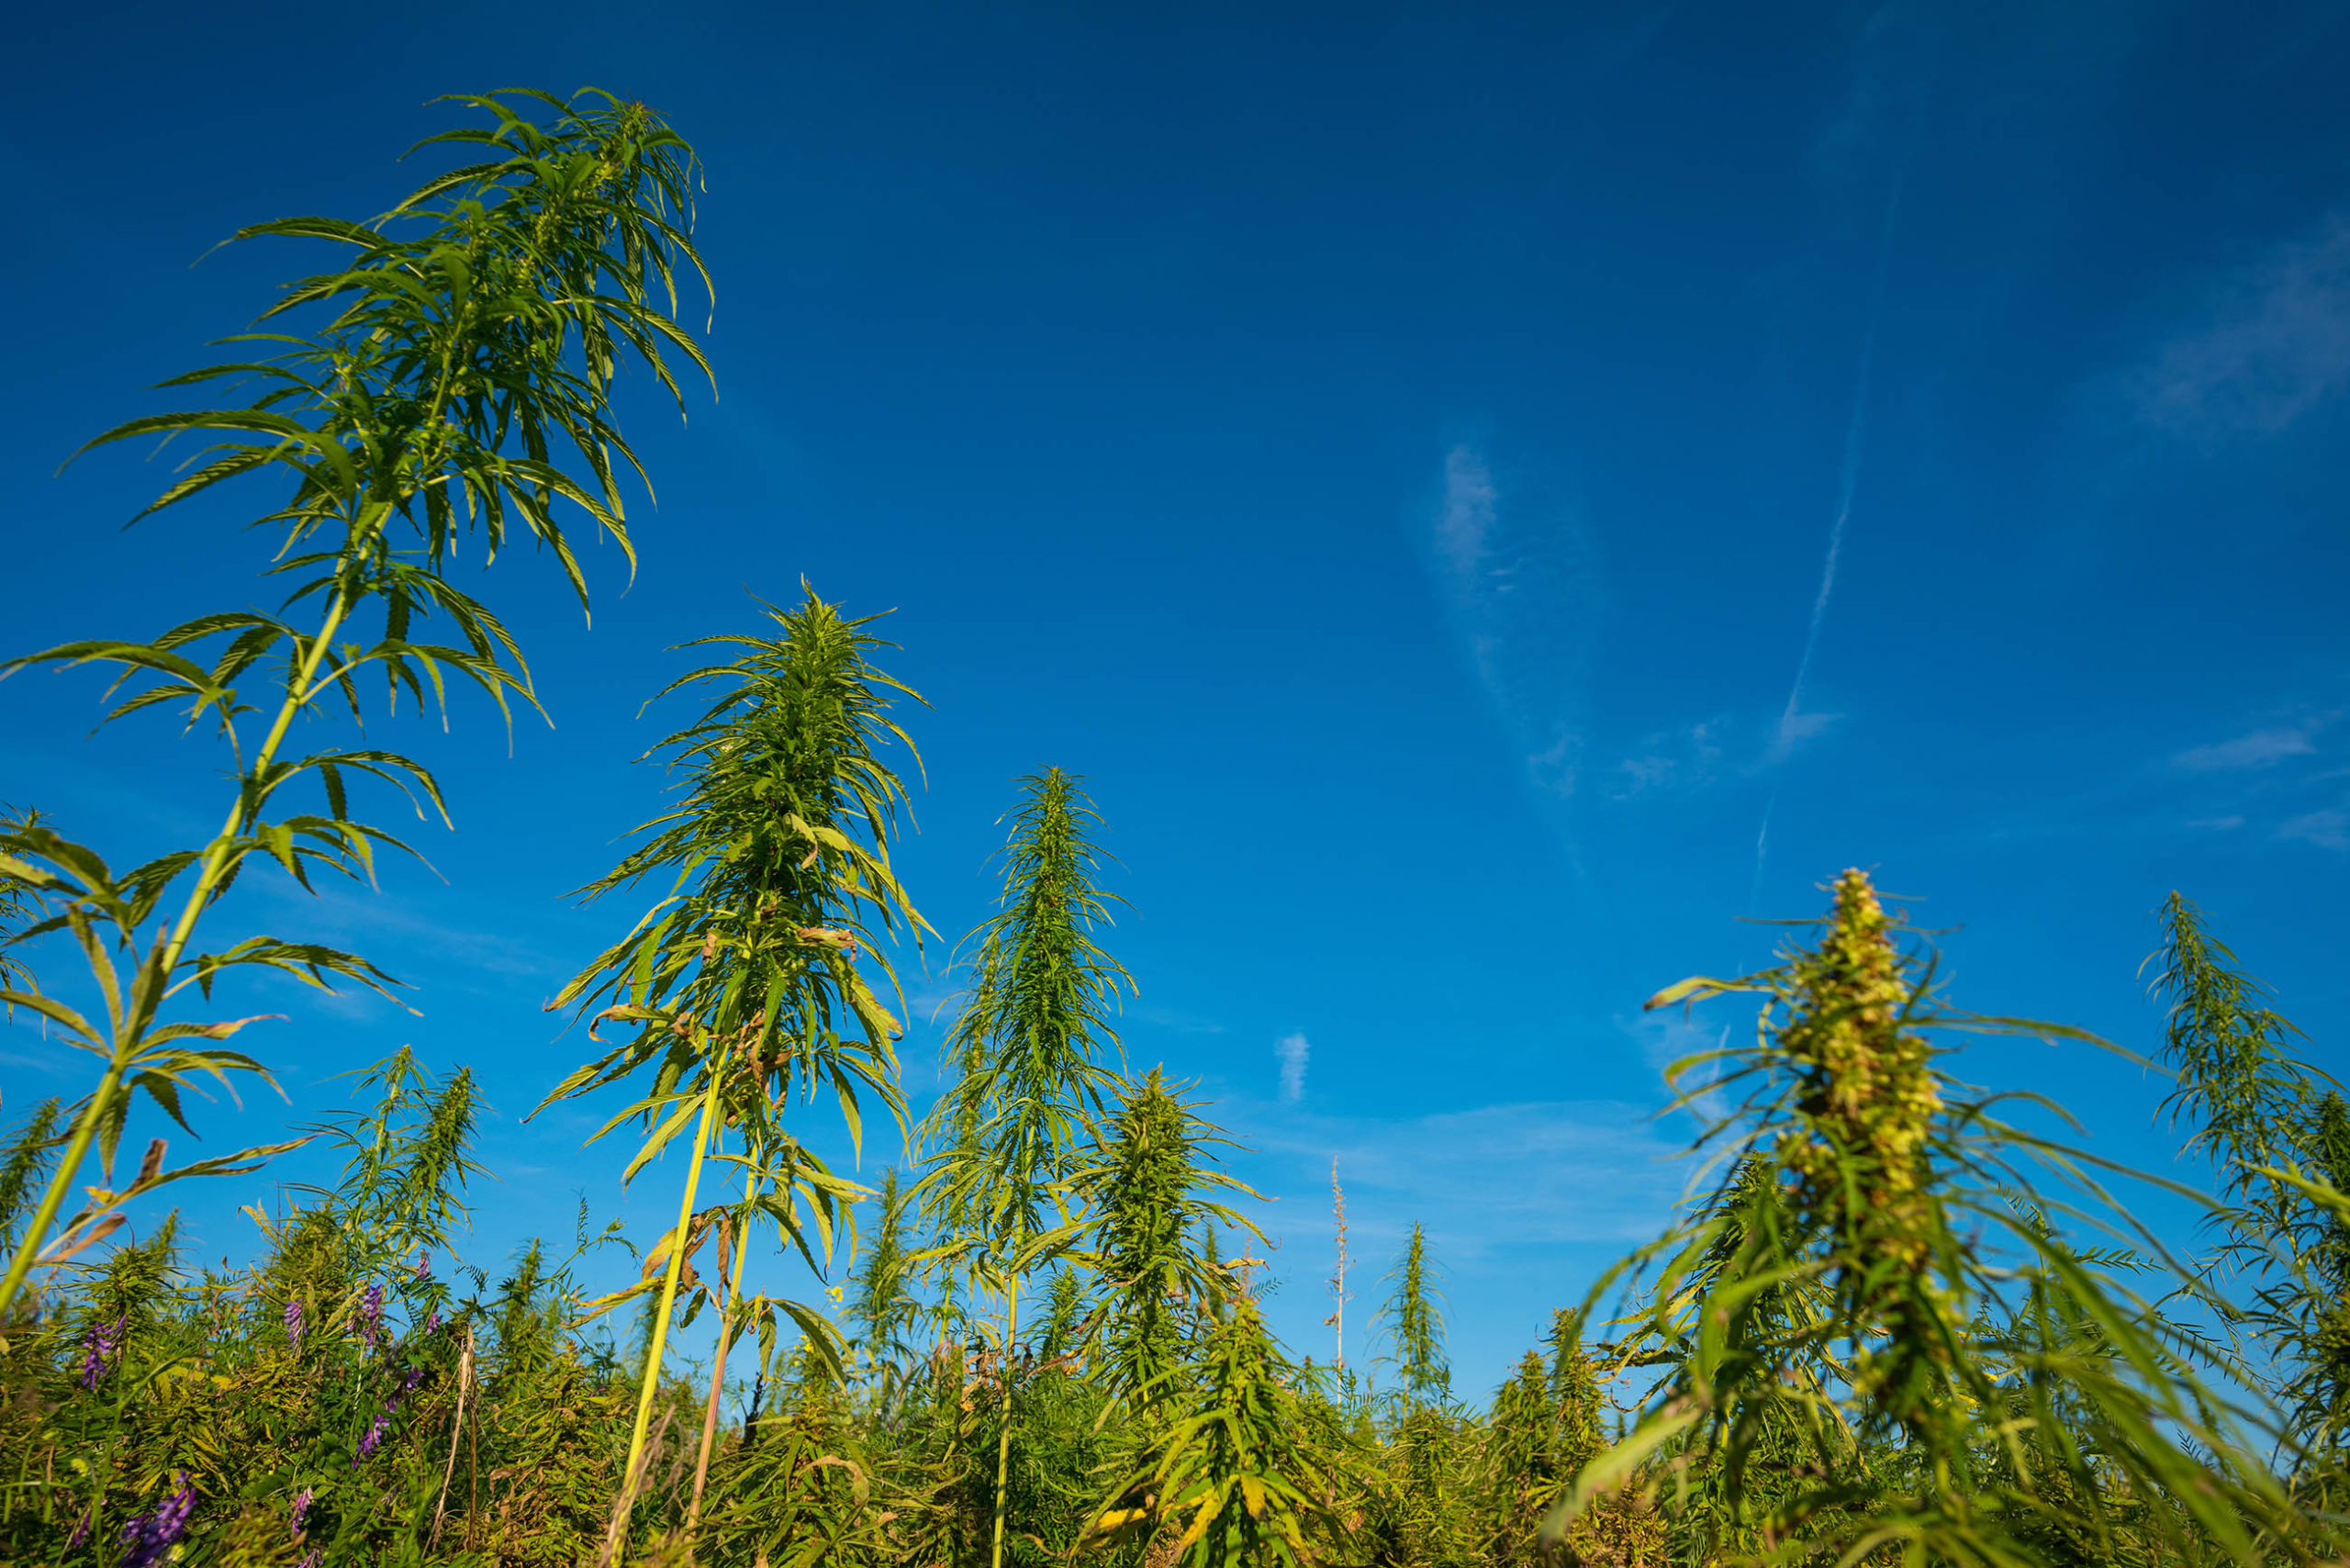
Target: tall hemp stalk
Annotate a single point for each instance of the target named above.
(1416, 1328)
(1875, 1342)
(468, 334)
(1340, 1295)
(2268, 1120)
(1153, 1190)
(743, 981)
(1006, 1138)
(1239, 1469)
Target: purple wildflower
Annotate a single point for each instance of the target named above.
(371, 1316)
(99, 1344)
(149, 1536)
(81, 1529)
(433, 1320)
(423, 1265)
(312, 1558)
(373, 1438)
(294, 1323)
(302, 1508)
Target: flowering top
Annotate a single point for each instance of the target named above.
(294, 1323)
(1869, 1092)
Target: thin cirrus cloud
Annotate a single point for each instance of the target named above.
(2326, 829)
(1522, 582)
(1539, 1172)
(2261, 748)
(2272, 344)
(1292, 1051)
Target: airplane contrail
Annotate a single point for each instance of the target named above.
(1848, 488)
(1855, 438)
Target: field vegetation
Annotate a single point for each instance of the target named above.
(1899, 1323)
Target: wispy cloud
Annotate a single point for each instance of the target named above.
(2327, 829)
(1292, 1051)
(1670, 759)
(2261, 748)
(331, 911)
(2273, 343)
(1465, 521)
(1181, 1021)
(1670, 1037)
(1523, 584)
(1543, 1172)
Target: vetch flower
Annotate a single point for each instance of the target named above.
(373, 1438)
(371, 1316)
(99, 1344)
(302, 1508)
(294, 1323)
(149, 1536)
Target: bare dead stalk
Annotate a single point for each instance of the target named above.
(456, 1430)
(716, 1379)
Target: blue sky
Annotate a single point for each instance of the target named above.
(1488, 497)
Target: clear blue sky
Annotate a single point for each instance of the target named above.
(1448, 476)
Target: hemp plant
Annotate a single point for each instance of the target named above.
(1876, 1336)
(1006, 1138)
(463, 340)
(1154, 1189)
(1240, 1471)
(741, 980)
(2270, 1122)
(1414, 1324)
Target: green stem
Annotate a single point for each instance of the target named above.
(147, 993)
(668, 1304)
(1003, 1437)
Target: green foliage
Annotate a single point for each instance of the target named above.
(1153, 1193)
(2268, 1121)
(1005, 1136)
(1898, 1322)
(884, 1307)
(1025, 1046)
(1415, 1326)
(1873, 1282)
(31, 1152)
(17, 903)
(741, 980)
(1237, 1478)
(463, 336)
